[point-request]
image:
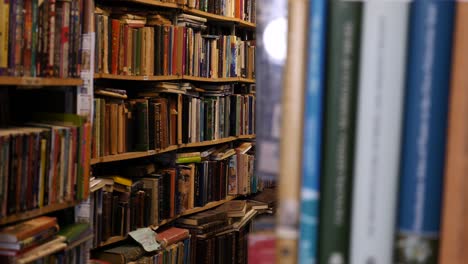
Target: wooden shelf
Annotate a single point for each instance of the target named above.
(194, 11)
(155, 3)
(39, 81)
(217, 80)
(196, 210)
(36, 212)
(136, 78)
(112, 240)
(141, 154)
(171, 78)
(209, 16)
(131, 155)
(245, 80)
(247, 24)
(219, 18)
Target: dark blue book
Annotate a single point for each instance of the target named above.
(424, 132)
(312, 136)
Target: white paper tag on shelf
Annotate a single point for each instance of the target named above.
(146, 238)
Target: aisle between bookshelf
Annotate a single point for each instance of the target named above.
(141, 154)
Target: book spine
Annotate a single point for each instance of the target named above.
(291, 131)
(27, 37)
(378, 131)
(312, 133)
(35, 37)
(115, 41)
(424, 132)
(4, 35)
(18, 41)
(64, 39)
(142, 143)
(454, 205)
(340, 104)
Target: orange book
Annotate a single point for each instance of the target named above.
(454, 233)
(171, 235)
(23, 230)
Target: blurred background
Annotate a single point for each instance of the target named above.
(362, 131)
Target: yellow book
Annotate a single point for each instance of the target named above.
(4, 22)
(122, 180)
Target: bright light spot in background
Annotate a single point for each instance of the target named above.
(274, 39)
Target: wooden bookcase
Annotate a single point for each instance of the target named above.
(230, 24)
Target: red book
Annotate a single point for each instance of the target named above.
(171, 235)
(175, 43)
(27, 38)
(166, 49)
(261, 248)
(115, 45)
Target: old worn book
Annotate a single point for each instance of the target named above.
(26, 229)
(203, 217)
(121, 254)
(171, 235)
(235, 208)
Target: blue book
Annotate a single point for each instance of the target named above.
(312, 133)
(424, 132)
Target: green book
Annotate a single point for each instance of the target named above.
(195, 159)
(138, 51)
(73, 232)
(339, 128)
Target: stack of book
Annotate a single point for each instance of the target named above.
(30, 240)
(219, 235)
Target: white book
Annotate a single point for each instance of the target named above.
(379, 123)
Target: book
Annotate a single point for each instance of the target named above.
(202, 217)
(453, 229)
(343, 55)
(424, 130)
(171, 235)
(378, 131)
(235, 208)
(16, 233)
(291, 133)
(120, 254)
(311, 154)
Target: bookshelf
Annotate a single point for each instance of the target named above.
(141, 154)
(217, 102)
(37, 212)
(39, 81)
